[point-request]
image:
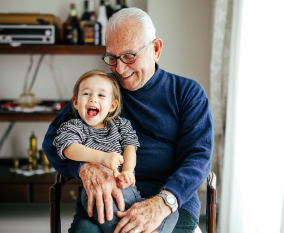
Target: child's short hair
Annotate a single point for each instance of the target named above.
(116, 92)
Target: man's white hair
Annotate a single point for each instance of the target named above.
(138, 15)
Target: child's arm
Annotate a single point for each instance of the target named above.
(82, 153)
(126, 175)
(129, 156)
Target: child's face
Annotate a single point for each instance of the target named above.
(95, 100)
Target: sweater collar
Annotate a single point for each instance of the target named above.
(152, 82)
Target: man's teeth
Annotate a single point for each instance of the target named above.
(127, 76)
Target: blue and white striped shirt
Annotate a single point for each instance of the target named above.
(113, 138)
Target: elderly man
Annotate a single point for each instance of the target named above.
(172, 118)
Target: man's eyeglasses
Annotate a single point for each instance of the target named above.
(127, 58)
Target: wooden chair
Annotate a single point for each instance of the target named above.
(55, 195)
(211, 201)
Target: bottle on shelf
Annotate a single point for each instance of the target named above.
(97, 33)
(123, 4)
(89, 33)
(103, 20)
(86, 14)
(73, 30)
(117, 6)
(84, 18)
(109, 9)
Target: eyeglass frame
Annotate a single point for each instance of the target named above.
(134, 54)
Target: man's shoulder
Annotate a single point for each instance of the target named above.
(180, 80)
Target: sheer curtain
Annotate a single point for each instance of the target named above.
(253, 179)
(219, 72)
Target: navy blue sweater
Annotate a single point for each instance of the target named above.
(172, 119)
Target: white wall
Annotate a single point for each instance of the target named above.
(183, 25)
(185, 28)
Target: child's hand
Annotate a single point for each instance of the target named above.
(112, 160)
(126, 178)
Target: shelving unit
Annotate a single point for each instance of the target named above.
(53, 49)
(27, 117)
(44, 49)
(7, 115)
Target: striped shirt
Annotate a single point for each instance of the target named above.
(113, 138)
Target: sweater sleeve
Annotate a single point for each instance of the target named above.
(65, 167)
(128, 134)
(194, 147)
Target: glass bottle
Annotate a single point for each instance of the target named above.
(73, 31)
(109, 9)
(85, 17)
(123, 4)
(86, 14)
(117, 6)
(103, 20)
(89, 33)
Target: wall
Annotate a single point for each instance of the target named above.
(184, 26)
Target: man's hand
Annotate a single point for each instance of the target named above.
(125, 178)
(145, 216)
(101, 186)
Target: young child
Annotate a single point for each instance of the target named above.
(99, 135)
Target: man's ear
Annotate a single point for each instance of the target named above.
(113, 105)
(75, 102)
(158, 45)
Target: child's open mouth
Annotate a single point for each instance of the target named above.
(92, 111)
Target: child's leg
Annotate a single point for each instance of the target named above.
(130, 196)
(169, 223)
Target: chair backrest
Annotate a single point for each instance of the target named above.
(211, 201)
(54, 200)
(55, 195)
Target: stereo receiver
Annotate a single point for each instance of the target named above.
(27, 34)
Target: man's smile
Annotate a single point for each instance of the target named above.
(124, 77)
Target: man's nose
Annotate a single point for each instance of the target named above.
(120, 66)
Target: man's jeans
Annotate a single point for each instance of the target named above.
(82, 223)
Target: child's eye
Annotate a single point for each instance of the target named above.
(86, 93)
(101, 95)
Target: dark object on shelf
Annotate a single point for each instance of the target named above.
(123, 4)
(71, 28)
(58, 105)
(10, 115)
(109, 9)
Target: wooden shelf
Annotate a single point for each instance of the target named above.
(53, 49)
(20, 116)
(7, 115)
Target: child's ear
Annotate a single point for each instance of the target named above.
(75, 102)
(113, 105)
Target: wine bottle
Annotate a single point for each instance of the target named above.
(123, 4)
(89, 32)
(109, 9)
(85, 17)
(86, 14)
(117, 6)
(102, 19)
(73, 31)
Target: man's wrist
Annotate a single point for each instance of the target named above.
(169, 200)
